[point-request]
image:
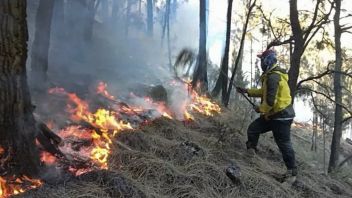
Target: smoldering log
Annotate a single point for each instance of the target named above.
(49, 140)
(49, 133)
(48, 145)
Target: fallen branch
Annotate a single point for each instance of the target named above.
(49, 140)
(345, 161)
(49, 133)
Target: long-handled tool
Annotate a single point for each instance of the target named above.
(246, 97)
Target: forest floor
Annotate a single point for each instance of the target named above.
(169, 158)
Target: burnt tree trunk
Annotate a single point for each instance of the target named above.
(150, 17)
(166, 30)
(41, 43)
(200, 72)
(17, 124)
(336, 138)
(221, 83)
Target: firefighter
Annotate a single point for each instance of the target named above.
(276, 111)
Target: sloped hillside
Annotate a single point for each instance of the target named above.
(168, 158)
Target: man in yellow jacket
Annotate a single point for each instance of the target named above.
(276, 111)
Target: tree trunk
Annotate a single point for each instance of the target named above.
(335, 145)
(150, 17)
(17, 124)
(251, 6)
(315, 132)
(41, 43)
(59, 20)
(140, 7)
(200, 73)
(298, 48)
(127, 19)
(166, 30)
(166, 20)
(115, 10)
(174, 9)
(324, 144)
(88, 20)
(221, 83)
(251, 81)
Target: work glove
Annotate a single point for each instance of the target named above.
(241, 90)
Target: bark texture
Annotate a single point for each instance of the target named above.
(221, 83)
(17, 124)
(336, 138)
(298, 47)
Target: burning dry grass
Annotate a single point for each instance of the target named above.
(169, 158)
(172, 158)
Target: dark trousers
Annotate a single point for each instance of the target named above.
(281, 132)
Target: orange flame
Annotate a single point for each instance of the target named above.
(188, 116)
(47, 158)
(204, 105)
(104, 120)
(102, 89)
(2, 150)
(11, 186)
(107, 123)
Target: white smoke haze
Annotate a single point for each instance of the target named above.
(179, 98)
(122, 60)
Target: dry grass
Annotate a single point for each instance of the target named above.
(173, 159)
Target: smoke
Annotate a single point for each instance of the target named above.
(123, 57)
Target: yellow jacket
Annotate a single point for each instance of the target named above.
(275, 94)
